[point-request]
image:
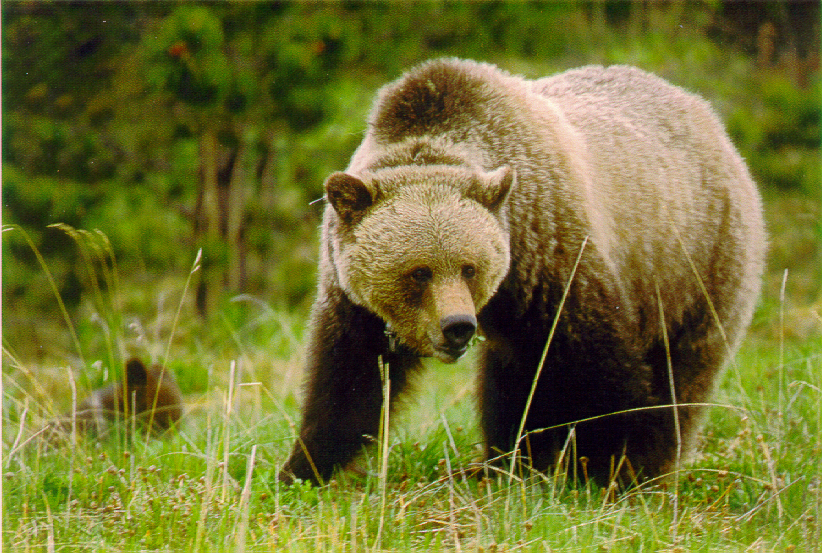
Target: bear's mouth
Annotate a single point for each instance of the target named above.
(449, 355)
(442, 352)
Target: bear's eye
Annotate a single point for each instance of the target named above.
(468, 271)
(422, 275)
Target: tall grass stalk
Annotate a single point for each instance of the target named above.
(208, 485)
(55, 292)
(195, 268)
(73, 442)
(385, 416)
(521, 429)
(677, 429)
(98, 257)
(229, 409)
(245, 503)
(782, 343)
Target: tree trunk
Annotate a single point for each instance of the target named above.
(268, 177)
(238, 190)
(209, 234)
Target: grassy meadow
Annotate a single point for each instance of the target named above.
(112, 140)
(754, 484)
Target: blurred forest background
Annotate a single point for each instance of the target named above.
(172, 127)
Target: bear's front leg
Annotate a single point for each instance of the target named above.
(344, 389)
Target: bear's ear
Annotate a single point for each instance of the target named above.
(491, 189)
(347, 194)
(136, 373)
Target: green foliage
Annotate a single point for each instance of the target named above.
(186, 57)
(105, 109)
(781, 132)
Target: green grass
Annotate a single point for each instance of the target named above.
(755, 483)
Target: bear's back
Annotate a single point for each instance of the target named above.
(601, 101)
(444, 97)
(650, 146)
(617, 85)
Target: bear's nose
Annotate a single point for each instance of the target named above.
(458, 330)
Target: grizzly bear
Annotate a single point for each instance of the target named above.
(151, 395)
(602, 206)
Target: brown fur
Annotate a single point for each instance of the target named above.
(465, 208)
(150, 395)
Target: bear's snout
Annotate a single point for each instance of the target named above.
(458, 331)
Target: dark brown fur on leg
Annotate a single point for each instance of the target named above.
(344, 391)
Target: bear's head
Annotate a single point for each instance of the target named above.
(422, 247)
(152, 394)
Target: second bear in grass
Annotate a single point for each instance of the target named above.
(147, 397)
(466, 209)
